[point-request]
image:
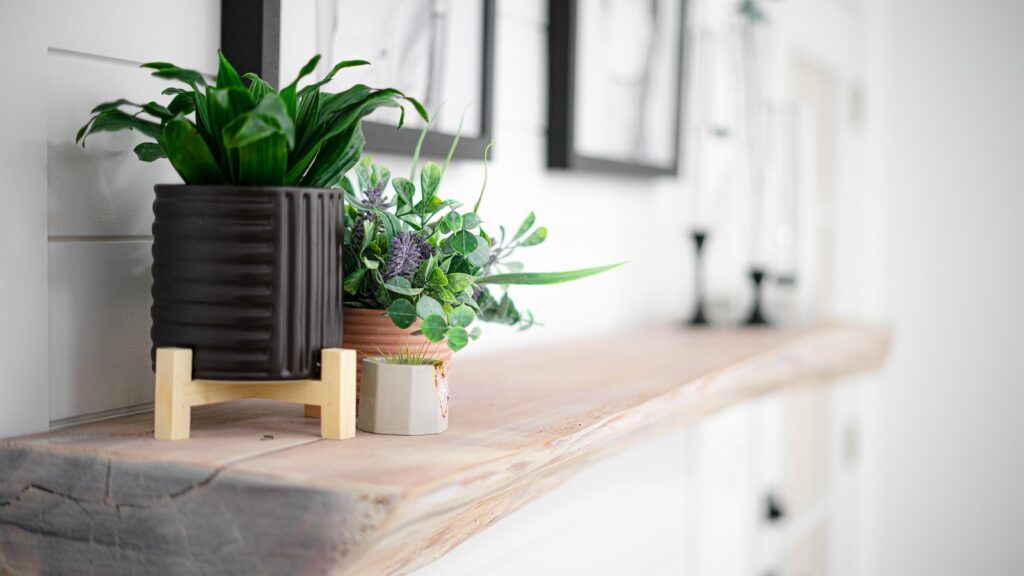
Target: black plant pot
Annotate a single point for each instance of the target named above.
(249, 278)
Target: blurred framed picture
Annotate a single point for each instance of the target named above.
(440, 52)
(615, 85)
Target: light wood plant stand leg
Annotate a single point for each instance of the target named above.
(332, 398)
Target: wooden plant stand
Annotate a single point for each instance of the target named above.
(333, 397)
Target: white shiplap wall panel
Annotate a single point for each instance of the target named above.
(99, 199)
(99, 326)
(23, 388)
(185, 32)
(102, 189)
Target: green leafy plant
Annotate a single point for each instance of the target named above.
(229, 132)
(417, 255)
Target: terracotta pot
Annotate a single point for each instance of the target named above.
(371, 333)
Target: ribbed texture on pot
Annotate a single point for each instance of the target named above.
(371, 332)
(249, 278)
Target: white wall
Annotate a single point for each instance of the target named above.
(944, 462)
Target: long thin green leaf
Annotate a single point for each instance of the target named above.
(258, 87)
(455, 143)
(483, 188)
(330, 75)
(227, 76)
(542, 278)
(189, 153)
(114, 120)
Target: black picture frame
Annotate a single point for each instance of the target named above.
(562, 51)
(251, 38)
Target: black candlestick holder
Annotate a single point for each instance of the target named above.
(699, 317)
(757, 317)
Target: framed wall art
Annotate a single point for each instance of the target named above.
(440, 52)
(615, 85)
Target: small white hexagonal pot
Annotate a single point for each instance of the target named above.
(403, 399)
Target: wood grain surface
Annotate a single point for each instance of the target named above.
(256, 492)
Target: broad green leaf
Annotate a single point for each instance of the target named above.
(457, 338)
(263, 162)
(525, 226)
(464, 242)
(426, 306)
(182, 104)
(434, 327)
(189, 153)
(404, 189)
(541, 278)
(430, 178)
(371, 264)
(353, 280)
(457, 281)
(538, 236)
(513, 266)
(462, 316)
(475, 333)
(149, 151)
(267, 119)
(402, 313)
(401, 286)
(470, 220)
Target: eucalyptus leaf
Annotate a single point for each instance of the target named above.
(461, 316)
(457, 338)
(402, 313)
(464, 242)
(426, 306)
(401, 286)
(434, 327)
(470, 220)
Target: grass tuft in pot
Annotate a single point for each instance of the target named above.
(404, 392)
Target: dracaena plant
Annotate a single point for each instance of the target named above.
(416, 255)
(238, 132)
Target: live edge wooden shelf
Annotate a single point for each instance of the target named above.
(256, 491)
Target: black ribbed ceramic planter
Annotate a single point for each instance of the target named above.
(249, 278)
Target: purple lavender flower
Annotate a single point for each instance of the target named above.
(408, 251)
(374, 198)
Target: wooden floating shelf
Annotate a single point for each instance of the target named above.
(256, 491)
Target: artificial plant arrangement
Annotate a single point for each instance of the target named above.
(404, 391)
(430, 260)
(247, 253)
